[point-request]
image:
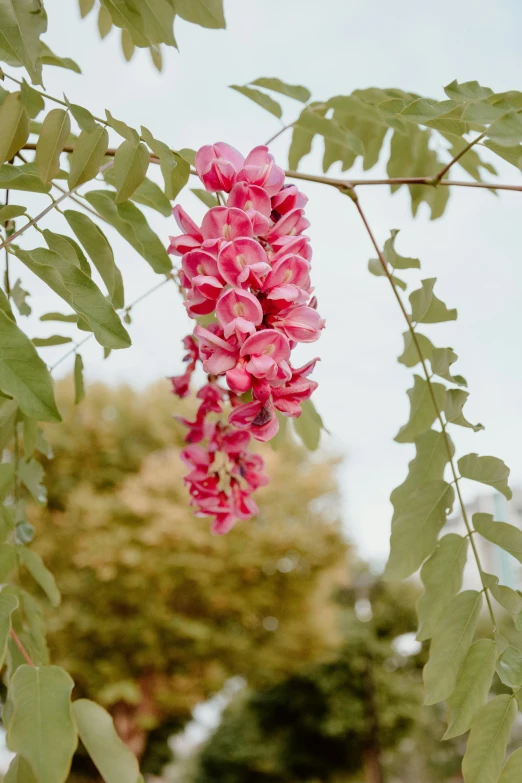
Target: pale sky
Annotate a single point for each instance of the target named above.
(332, 48)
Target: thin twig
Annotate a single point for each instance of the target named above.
(459, 156)
(342, 184)
(51, 206)
(15, 638)
(279, 132)
(71, 351)
(427, 376)
(7, 280)
(110, 152)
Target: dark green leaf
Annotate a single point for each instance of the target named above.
(79, 386)
(80, 292)
(131, 224)
(507, 537)
(113, 759)
(263, 100)
(88, 155)
(276, 85)
(450, 644)
(487, 470)
(14, 125)
(206, 13)
(488, 740)
(426, 308)
(23, 375)
(422, 409)
(416, 528)
(441, 576)
(51, 141)
(41, 728)
(100, 252)
(472, 688)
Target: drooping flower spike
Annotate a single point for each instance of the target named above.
(246, 271)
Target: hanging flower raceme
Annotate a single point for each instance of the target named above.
(246, 276)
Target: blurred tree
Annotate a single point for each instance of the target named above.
(349, 719)
(157, 613)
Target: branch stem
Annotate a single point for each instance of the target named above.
(427, 376)
(463, 151)
(16, 640)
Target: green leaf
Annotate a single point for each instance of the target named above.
(263, 100)
(19, 296)
(416, 528)
(507, 130)
(291, 90)
(69, 319)
(150, 195)
(124, 15)
(40, 574)
(113, 759)
(8, 603)
(48, 57)
(10, 211)
(30, 437)
(508, 598)
(206, 13)
(430, 460)
(507, 537)
(455, 401)
(8, 414)
(466, 91)
(131, 224)
(488, 740)
(48, 342)
(423, 412)
(450, 644)
(104, 22)
(130, 167)
(302, 139)
(512, 772)
(127, 44)
(330, 130)
(487, 470)
(82, 116)
(79, 386)
(31, 475)
(19, 772)
(7, 560)
(158, 20)
(208, 199)
(14, 125)
(308, 425)
(375, 267)
(410, 356)
(472, 688)
(513, 155)
(441, 361)
(41, 728)
(100, 252)
(32, 100)
(23, 375)
(509, 667)
(22, 22)
(393, 258)
(426, 308)
(441, 576)
(80, 292)
(121, 128)
(174, 168)
(22, 178)
(7, 473)
(68, 249)
(156, 57)
(88, 155)
(51, 141)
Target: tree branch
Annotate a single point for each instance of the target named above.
(427, 376)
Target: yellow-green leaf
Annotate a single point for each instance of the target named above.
(14, 126)
(472, 688)
(130, 167)
(488, 740)
(487, 470)
(51, 141)
(88, 155)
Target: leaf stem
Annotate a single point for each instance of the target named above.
(279, 132)
(459, 156)
(442, 423)
(15, 638)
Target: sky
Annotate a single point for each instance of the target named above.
(474, 250)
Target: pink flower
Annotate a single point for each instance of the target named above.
(238, 378)
(257, 418)
(291, 224)
(217, 166)
(190, 239)
(201, 272)
(243, 263)
(268, 351)
(288, 198)
(302, 324)
(180, 384)
(260, 169)
(288, 283)
(217, 354)
(255, 202)
(238, 312)
(226, 223)
(288, 398)
(297, 245)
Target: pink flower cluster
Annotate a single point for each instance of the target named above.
(246, 274)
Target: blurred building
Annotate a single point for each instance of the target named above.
(494, 560)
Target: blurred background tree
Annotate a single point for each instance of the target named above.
(157, 613)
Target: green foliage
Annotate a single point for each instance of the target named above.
(472, 688)
(53, 136)
(488, 740)
(441, 576)
(486, 470)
